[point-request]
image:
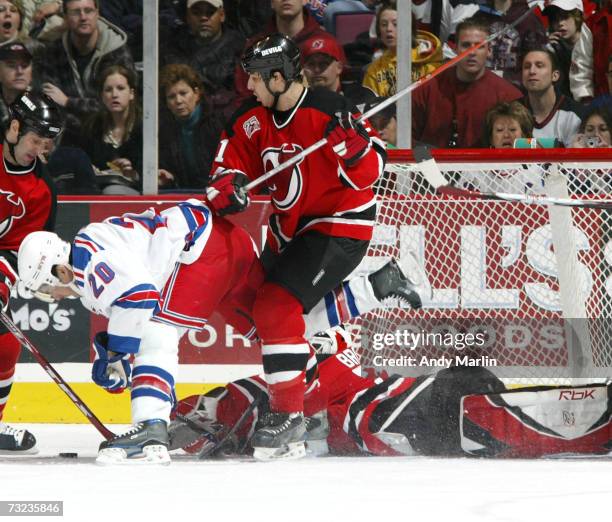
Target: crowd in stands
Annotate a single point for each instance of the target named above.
(549, 76)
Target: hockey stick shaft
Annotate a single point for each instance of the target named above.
(431, 172)
(392, 99)
(40, 358)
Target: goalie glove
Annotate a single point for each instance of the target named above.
(348, 138)
(111, 372)
(231, 196)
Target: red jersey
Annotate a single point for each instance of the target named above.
(320, 192)
(27, 204)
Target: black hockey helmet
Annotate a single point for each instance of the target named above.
(38, 113)
(276, 52)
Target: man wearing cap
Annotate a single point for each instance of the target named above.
(15, 77)
(323, 61)
(207, 46)
(572, 41)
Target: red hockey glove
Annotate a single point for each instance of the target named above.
(232, 196)
(348, 138)
(7, 280)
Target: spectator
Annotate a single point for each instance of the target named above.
(507, 50)
(189, 135)
(324, 11)
(555, 115)
(42, 19)
(506, 122)
(600, 24)
(323, 61)
(594, 131)
(209, 48)
(11, 17)
(290, 18)
(73, 63)
(381, 75)
(450, 109)
(15, 77)
(572, 42)
(113, 135)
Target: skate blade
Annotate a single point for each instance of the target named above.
(317, 448)
(291, 451)
(17, 453)
(154, 454)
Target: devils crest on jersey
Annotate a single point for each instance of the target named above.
(11, 208)
(286, 187)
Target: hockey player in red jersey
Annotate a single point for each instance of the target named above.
(458, 411)
(27, 204)
(323, 215)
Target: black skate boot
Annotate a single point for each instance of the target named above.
(15, 441)
(280, 436)
(145, 443)
(390, 281)
(317, 430)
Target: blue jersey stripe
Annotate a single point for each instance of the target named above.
(123, 344)
(350, 299)
(330, 304)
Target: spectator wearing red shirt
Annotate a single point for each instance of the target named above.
(450, 109)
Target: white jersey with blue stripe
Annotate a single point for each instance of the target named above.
(121, 265)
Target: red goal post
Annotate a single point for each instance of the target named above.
(536, 278)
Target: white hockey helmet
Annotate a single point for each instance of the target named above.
(38, 254)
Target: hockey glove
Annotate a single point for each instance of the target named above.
(232, 196)
(111, 372)
(7, 280)
(348, 138)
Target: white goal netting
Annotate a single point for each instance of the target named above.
(534, 281)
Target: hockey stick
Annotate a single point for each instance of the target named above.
(392, 99)
(431, 172)
(209, 452)
(25, 342)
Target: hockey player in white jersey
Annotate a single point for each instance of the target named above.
(157, 274)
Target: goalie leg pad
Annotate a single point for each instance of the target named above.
(534, 423)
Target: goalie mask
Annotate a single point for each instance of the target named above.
(38, 254)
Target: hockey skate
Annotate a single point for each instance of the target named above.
(15, 441)
(145, 443)
(317, 430)
(390, 281)
(280, 436)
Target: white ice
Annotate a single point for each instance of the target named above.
(314, 490)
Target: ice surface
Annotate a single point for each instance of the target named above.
(329, 489)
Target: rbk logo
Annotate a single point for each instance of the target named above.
(11, 208)
(576, 395)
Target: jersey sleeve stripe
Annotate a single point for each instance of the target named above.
(139, 296)
(123, 344)
(82, 250)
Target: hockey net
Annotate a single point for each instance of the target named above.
(535, 281)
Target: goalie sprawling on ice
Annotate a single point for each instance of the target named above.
(458, 411)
